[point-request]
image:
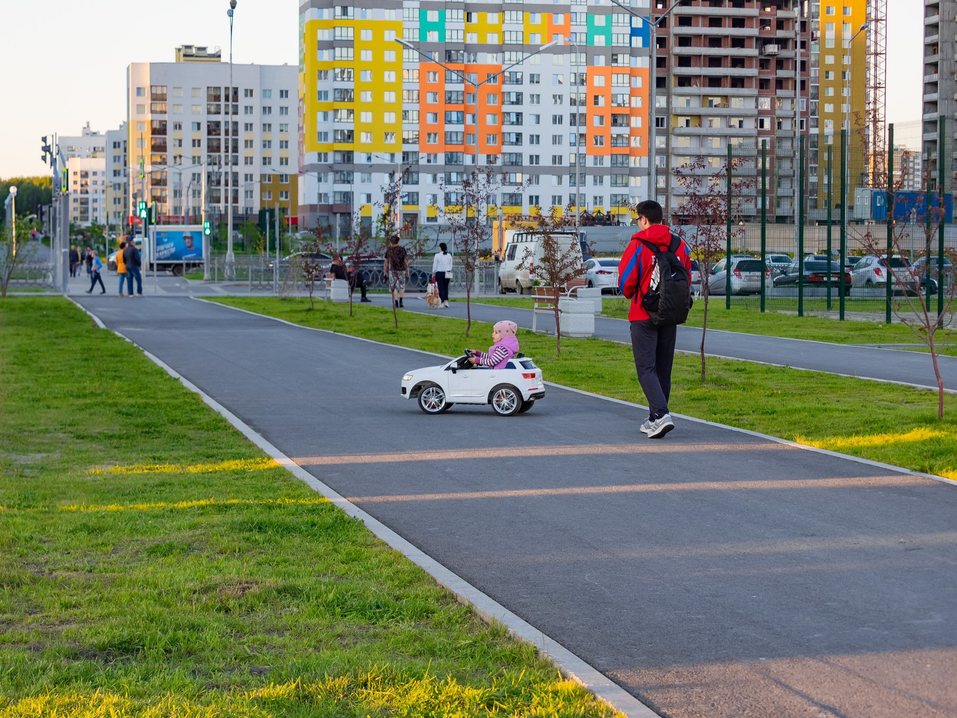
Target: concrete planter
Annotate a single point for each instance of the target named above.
(578, 317)
(590, 294)
(339, 290)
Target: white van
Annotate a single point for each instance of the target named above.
(525, 248)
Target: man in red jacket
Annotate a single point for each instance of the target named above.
(653, 346)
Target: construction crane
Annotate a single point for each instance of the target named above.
(876, 150)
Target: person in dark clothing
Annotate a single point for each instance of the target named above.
(74, 259)
(131, 257)
(88, 260)
(653, 346)
(339, 270)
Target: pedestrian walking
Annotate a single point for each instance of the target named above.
(74, 260)
(121, 267)
(396, 270)
(96, 266)
(88, 260)
(131, 258)
(652, 342)
(442, 273)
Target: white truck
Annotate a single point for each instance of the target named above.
(524, 248)
(177, 248)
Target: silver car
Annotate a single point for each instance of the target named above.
(745, 276)
(872, 271)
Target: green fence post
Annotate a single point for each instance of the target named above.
(764, 222)
(800, 220)
(840, 298)
(830, 202)
(943, 218)
(727, 211)
(890, 223)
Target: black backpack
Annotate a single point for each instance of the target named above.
(668, 299)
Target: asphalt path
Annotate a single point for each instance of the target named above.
(714, 573)
(883, 364)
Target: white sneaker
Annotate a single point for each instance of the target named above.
(660, 427)
(646, 427)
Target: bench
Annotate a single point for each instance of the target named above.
(544, 299)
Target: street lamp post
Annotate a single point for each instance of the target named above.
(846, 133)
(475, 85)
(230, 257)
(13, 218)
(653, 26)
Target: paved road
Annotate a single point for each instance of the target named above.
(714, 573)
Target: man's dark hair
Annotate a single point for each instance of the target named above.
(443, 246)
(394, 239)
(650, 210)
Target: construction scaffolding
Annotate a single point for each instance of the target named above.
(876, 91)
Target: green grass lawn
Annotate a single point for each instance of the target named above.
(154, 562)
(883, 422)
(779, 321)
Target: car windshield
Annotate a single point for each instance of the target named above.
(749, 265)
(897, 262)
(817, 265)
(609, 262)
(694, 265)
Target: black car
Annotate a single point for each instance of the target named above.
(817, 273)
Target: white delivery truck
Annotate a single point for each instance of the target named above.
(524, 249)
(177, 248)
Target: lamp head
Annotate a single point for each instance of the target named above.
(13, 190)
(550, 44)
(232, 4)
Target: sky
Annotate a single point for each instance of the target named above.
(64, 61)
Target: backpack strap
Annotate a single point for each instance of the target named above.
(675, 243)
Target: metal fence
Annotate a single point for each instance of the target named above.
(806, 201)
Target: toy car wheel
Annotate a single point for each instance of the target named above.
(526, 405)
(432, 399)
(506, 400)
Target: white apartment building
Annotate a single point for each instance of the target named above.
(116, 178)
(84, 155)
(87, 185)
(178, 126)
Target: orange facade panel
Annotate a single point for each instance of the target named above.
(432, 104)
(598, 112)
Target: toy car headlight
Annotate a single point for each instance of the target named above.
(406, 377)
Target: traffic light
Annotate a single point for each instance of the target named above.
(141, 209)
(206, 227)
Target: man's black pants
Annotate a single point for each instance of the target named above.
(654, 351)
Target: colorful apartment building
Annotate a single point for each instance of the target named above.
(430, 91)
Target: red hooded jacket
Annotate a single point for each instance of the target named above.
(634, 270)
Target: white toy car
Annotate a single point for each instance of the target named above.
(512, 390)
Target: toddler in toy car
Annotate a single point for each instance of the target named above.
(504, 346)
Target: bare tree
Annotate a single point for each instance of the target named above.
(560, 261)
(465, 216)
(912, 283)
(705, 208)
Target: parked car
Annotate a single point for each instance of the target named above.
(872, 271)
(777, 263)
(511, 390)
(919, 270)
(817, 273)
(603, 273)
(320, 258)
(745, 276)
